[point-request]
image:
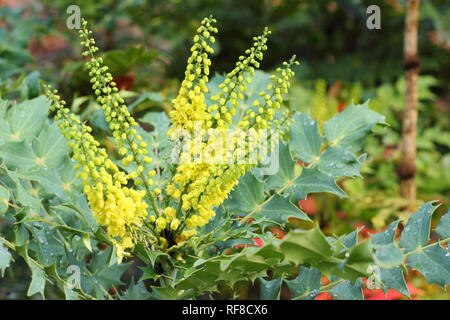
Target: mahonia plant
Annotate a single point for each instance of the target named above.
(199, 215)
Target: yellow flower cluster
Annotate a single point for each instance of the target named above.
(122, 124)
(114, 205)
(234, 86)
(189, 105)
(199, 183)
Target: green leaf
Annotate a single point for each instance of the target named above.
(360, 257)
(279, 210)
(5, 132)
(307, 283)
(394, 279)
(148, 273)
(270, 289)
(442, 229)
(338, 162)
(312, 180)
(349, 128)
(434, 263)
(4, 199)
(18, 155)
(306, 140)
(306, 246)
(70, 294)
(27, 118)
(5, 259)
(247, 195)
(50, 146)
(37, 284)
(286, 169)
(347, 290)
(417, 231)
(385, 237)
(389, 256)
(110, 276)
(136, 292)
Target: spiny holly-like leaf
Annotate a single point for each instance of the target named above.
(385, 237)
(306, 141)
(389, 256)
(247, 195)
(349, 128)
(443, 228)
(286, 170)
(270, 289)
(5, 259)
(279, 209)
(136, 292)
(37, 284)
(312, 180)
(417, 231)
(338, 162)
(434, 263)
(110, 276)
(307, 283)
(306, 246)
(347, 290)
(360, 257)
(394, 279)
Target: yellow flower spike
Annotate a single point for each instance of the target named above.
(118, 208)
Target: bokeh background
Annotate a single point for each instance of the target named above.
(146, 44)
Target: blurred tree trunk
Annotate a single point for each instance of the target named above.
(407, 169)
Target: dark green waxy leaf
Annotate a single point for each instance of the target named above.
(350, 240)
(307, 283)
(47, 247)
(164, 293)
(37, 284)
(305, 141)
(110, 276)
(359, 258)
(312, 180)
(394, 279)
(338, 162)
(434, 263)
(4, 199)
(306, 246)
(136, 292)
(279, 210)
(5, 259)
(247, 195)
(442, 229)
(286, 170)
(148, 272)
(27, 118)
(385, 237)
(270, 289)
(389, 256)
(349, 128)
(347, 290)
(417, 231)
